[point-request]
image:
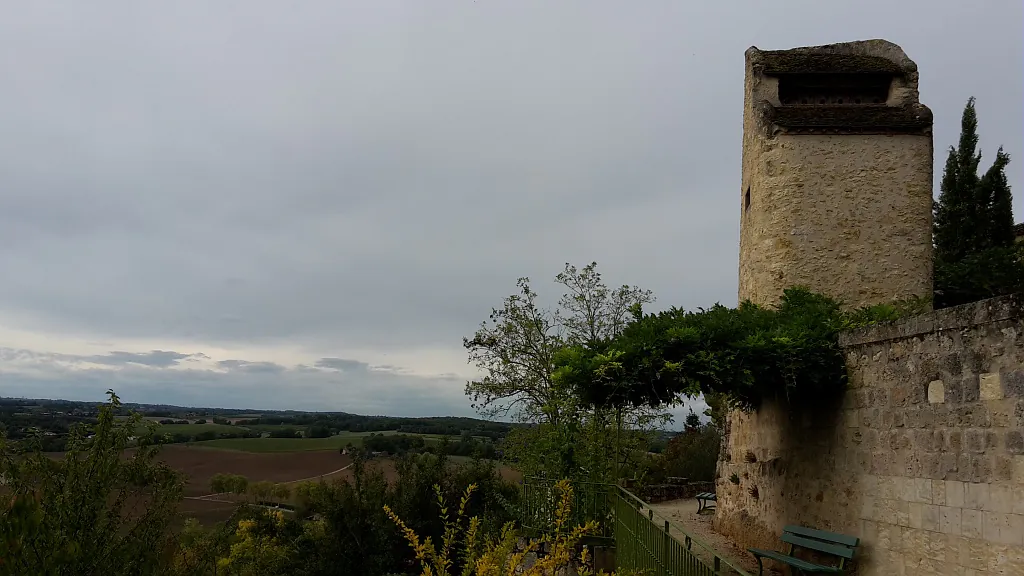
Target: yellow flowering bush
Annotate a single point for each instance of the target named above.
(256, 553)
(501, 558)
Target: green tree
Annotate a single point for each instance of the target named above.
(517, 350)
(92, 512)
(693, 453)
(975, 256)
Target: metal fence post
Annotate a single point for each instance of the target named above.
(664, 550)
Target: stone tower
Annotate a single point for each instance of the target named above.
(837, 174)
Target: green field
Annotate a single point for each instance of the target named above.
(272, 427)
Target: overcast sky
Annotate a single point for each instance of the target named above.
(307, 204)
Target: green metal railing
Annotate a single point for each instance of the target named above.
(649, 542)
(643, 540)
(590, 501)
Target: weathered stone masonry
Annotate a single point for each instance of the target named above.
(836, 187)
(922, 458)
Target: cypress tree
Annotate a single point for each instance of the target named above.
(995, 195)
(975, 257)
(958, 214)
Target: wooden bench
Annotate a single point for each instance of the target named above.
(704, 501)
(838, 545)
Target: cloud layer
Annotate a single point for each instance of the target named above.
(253, 203)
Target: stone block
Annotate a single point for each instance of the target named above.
(952, 440)
(1002, 469)
(903, 513)
(963, 467)
(970, 416)
(922, 490)
(1018, 469)
(1015, 442)
(887, 419)
(990, 386)
(1002, 528)
(954, 492)
(971, 388)
(947, 466)
(1006, 560)
(869, 509)
(888, 487)
(938, 492)
(976, 496)
(974, 440)
(887, 536)
(887, 511)
(971, 523)
(1001, 412)
(953, 390)
(973, 553)
(851, 418)
(1000, 498)
(949, 520)
(1017, 498)
(1013, 383)
(936, 392)
(981, 468)
(916, 515)
(930, 517)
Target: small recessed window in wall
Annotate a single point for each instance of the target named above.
(746, 199)
(833, 89)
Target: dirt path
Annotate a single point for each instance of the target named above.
(683, 514)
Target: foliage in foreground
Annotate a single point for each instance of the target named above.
(745, 354)
(92, 511)
(554, 552)
(341, 527)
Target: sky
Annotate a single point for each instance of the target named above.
(307, 205)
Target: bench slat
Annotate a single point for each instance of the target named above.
(795, 562)
(826, 547)
(823, 535)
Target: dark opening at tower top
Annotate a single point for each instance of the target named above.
(835, 89)
(867, 86)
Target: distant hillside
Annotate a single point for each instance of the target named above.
(25, 417)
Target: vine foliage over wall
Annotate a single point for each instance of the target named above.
(748, 353)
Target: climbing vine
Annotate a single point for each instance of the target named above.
(748, 353)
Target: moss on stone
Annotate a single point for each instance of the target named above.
(903, 119)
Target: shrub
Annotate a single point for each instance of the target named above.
(499, 556)
(71, 516)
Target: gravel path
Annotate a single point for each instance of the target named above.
(683, 513)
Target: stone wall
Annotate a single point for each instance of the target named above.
(922, 457)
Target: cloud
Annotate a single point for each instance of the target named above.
(342, 364)
(228, 383)
(288, 187)
(251, 367)
(156, 358)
